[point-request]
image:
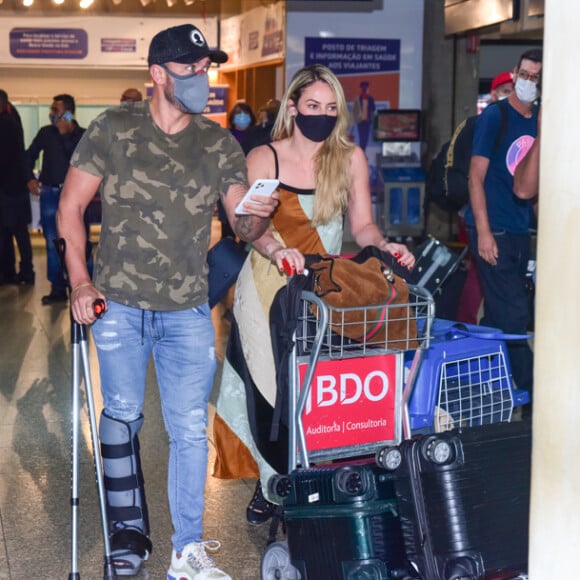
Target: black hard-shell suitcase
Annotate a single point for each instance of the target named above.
(342, 524)
(463, 499)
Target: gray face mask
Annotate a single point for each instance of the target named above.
(190, 91)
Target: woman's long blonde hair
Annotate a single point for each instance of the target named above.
(332, 162)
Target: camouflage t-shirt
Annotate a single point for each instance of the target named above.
(158, 194)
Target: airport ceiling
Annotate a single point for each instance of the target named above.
(178, 8)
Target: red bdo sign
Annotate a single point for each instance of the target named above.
(351, 402)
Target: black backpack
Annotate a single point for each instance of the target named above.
(447, 179)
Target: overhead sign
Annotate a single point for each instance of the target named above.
(98, 42)
(354, 55)
(68, 43)
(254, 37)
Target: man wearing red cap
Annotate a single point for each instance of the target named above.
(502, 86)
(161, 166)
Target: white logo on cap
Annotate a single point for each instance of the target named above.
(197, 38)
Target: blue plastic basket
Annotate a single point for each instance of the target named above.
(463, 381)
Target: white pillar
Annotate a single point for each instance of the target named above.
(555, 508)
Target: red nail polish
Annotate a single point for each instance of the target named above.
(396, 254)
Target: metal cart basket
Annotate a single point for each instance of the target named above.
(346, 396)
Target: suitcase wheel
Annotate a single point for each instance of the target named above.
(464, 568)
(276, 563)
(438, 451)
(280, 485)
(388, 458)
(349, 481)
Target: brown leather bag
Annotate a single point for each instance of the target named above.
(375, 291)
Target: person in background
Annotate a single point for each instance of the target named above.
(498, 222)
(131, 96)
(323, 176)
(161, 165)
(240, 119)
(363, 111)
(56, 142)
(15, 212)
(502, 87)
(11, 110)
(261, 132)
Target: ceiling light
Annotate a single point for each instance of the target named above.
(117, 2)
(189, 2)
(27, 3)
(171, 3)
(58, 2)
(145, 3)
(84, 4)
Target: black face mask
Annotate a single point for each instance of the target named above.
(315, 127)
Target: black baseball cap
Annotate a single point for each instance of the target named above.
(184, 44)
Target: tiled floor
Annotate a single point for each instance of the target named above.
(35, 426)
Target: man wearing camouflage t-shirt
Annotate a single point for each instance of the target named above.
(161, 167)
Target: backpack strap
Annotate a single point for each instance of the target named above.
(451, 149)
(503, 107)
(450, 159)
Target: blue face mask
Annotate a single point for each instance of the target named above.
(67, 116)
(190, 91)
(242, 121)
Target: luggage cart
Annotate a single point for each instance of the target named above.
(346, 400)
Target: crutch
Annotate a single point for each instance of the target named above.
(80, 362)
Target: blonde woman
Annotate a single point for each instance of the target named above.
(323, 176)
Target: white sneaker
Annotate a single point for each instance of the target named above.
(195, 564)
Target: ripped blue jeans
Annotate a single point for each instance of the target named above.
(182, 344)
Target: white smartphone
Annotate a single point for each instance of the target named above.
(259, 187)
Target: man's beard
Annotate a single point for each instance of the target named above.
(169, 92)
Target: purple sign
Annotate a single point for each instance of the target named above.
(67, 43)
(273, 43)
(118, 45)
(217, 100)
(354, 56)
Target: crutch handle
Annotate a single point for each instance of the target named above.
(99, 307)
